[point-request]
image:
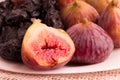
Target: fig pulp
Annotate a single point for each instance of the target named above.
(110, 21)
(99, 5)
(92, 43)
(75, 11)
(45, 47)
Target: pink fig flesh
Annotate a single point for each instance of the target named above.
(45, 47)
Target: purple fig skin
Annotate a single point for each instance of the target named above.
(92, 43)
(99, 5)
(110, 22)
(74, 12)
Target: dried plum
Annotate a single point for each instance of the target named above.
(31, 7)
(9, 33)
(22, 30)
(10, 46)
(16, 16)
(52, 18)
(50, 15)
(6, 4)
(11, 50)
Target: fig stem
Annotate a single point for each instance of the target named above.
(114, 2)
(84, 20)
(75, 4)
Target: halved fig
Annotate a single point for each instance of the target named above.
(45, 47)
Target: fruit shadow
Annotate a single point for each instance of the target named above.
(77, 64)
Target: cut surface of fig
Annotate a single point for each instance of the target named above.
(92, 43)
(45, 47)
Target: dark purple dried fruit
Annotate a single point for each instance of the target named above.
(11, 50)
(15, 17)
(53, 18)
(22, 30)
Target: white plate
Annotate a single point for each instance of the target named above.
(112, 62)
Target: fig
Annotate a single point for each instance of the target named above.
(110, 21)
(92, 44)
(45, 48)
(99, 5)
(75, 11)
(62, 3)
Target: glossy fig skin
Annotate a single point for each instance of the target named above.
(74, 12)
(99, 5)
(92, 43)
(62, 3)
(110, 21)
(45, 48)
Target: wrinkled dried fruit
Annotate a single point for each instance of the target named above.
(99, 5)
(74, 12)
(18, 2)
(92, 43)
(45, 47)
(110, 21)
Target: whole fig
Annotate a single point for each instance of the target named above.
(75, 11)
(110, 21)
(99, 5)
(62, 3)
(92, 43)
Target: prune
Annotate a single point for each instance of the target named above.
(50, 14)
(16, 16)
(10, 46)
(10, 50)
(0, 24)
(52, 18)
(6, 4)
(22, 29)
(9, 33)
(31, 6)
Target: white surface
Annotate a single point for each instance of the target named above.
(112, 62)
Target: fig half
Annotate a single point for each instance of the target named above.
(45, 48)
(92, 43)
